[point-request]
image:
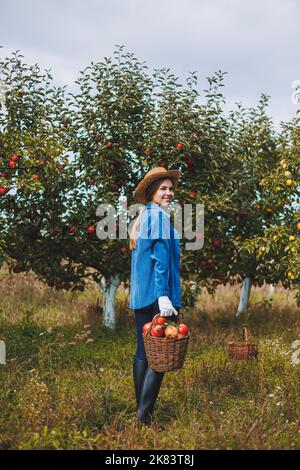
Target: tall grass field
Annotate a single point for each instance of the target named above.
(67, 382)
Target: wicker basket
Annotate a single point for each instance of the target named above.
(242, 350)
(165, 354)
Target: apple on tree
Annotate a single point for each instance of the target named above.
(217, 243)
(179, 146)
(91, 229)
(3, 191)
(149, 151)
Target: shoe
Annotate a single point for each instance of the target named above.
(140, 367)
(149, 393)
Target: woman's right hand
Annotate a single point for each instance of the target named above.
(165, 307)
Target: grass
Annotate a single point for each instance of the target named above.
(68, 382)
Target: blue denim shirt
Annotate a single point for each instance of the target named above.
(155, 262)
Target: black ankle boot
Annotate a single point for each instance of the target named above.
(140, 367)
(150, 390)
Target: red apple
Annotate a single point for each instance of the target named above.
(190, 165)
(109, 143)
(217, 243)
(161, 162)
(73, 229)
(159, 320)
(123, 249)
(149, 151)
(12, 164)
(35, 177)
(146, 327)
(91, 229)
(183, 329)
(243, 213)
(4, 174)
(193, 193)
(3, 191)
(179, 146)
(171, 332)
(14, 158)
(158, 331)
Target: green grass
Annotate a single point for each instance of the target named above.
(68, 381)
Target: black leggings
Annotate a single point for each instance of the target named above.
(142, 316)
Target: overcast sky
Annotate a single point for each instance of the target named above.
(256, 42)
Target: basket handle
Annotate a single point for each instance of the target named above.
(155, 316)
(245, 334)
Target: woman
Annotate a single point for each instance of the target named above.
(155, 275)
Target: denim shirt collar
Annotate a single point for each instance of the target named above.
(154, 206)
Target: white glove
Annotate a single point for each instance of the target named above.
(165, 306)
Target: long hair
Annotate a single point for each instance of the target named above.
(149, 193)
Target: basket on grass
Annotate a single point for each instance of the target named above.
(242, 350)
(165, 354)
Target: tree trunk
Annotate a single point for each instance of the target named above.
(2, 353)
(245, 294)
(271, 291)
(109, 287)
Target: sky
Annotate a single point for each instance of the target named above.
(256, 43)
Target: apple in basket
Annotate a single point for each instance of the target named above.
(183, 329)
(171, 331)
(158, 330)
(159, 321)
(146, 327)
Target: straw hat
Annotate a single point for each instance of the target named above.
(153, 175)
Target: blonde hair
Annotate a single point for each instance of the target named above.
(149, 192)
(135, 229)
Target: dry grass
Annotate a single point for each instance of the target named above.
(68, 381)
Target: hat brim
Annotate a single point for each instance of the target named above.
(140, 195)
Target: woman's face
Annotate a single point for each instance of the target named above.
(165, 193)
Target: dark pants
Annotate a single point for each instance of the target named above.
(142, 316)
